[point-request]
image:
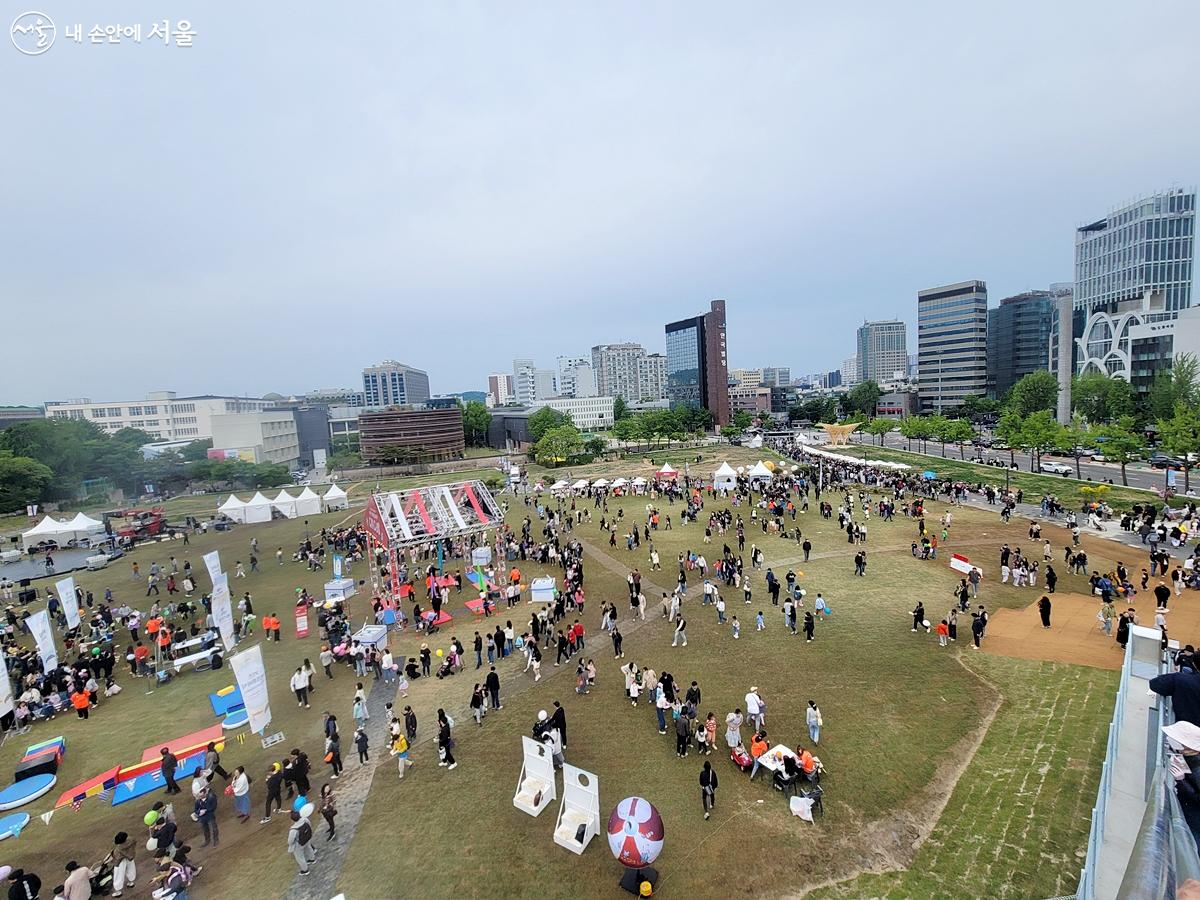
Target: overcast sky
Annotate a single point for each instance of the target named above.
(318, 187)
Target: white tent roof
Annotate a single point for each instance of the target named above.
(334, 493)
(308, 494)
(84, 523)
(232, 503)
(284, 497)
(600, 482)
(639, 480)
(759, 471)
(580, 484)
(47, 526)
(620, 482)
(667, 470)
(726, 469)
(258, 500)
(558, 485)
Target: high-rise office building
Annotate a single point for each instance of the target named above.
(1133, 282)
(882, 351)
(500, 388)
(697, 366)
(850, 371)
(392, 383)
(575, 377)
(531, 383)
(951, 344)
(776, 376)
(652, 377)
(1018, 339)
(746, 378)
(616, 370)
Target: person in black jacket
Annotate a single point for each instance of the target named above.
(274, 792)
(1183, 687)
(708, 788)
(25, 885)
(169, 765)
(559, 720)
(492, 682)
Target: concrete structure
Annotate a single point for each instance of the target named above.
(411, 435)
(162, 414)
(898, 403)
(697, 366)
(500, 389)
(1061, 347)
(776, 376)
(312, 432)
(11, 415)
(509, 429)
(1018, 339)
(269, 436)
(882, 351)
(618, 370)
(333, 397)
(576, 377)
(752, 399)
(1134, 268)
(747, 378)
(531, 383)
(652, 378)
(343, 428)
(849, 372)
(588, 413)
(392, 383)
(951, 344)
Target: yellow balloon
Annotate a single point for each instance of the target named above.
(440, 653)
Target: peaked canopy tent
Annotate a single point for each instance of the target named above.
(725, 478)
(580, 485)
(760, 472)
(285, 503)
(308, 503)
(619, 482)
(47, 529)
(600, 483)
(335, 498)
(233, 508)
(667, 472)
(257, 509)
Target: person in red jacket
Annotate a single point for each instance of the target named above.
(943, 633)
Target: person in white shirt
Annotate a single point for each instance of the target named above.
(299, 684)
(755, 709)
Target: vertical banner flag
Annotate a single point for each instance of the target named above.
(70, 602)
(222, 610)
(212, 561)
(39, 626)
(252, 681)
(6, 695)
(301, 619)
(337, 566)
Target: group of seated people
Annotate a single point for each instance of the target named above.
(800, 766)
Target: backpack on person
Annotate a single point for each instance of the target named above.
(304, 834)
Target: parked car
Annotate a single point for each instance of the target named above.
(1162, 461)
(1053, 468)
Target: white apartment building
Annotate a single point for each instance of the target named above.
(576, 377)
(588, 413)
(747, 378)
(531, 383)
(629, 372)
(264, 437)
(652, 377)
(163, 414)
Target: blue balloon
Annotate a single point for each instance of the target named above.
(299, 802)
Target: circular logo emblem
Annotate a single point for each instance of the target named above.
(32, 33)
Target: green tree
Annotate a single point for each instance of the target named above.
(730, 431)
(910, 429)
(976, 407)
(1075, 437)
(545, 419)
(1034, 392)
(1180, 434)
(1179, 384)
(620, 409)
(1009, 428)
(1121, 442)
(133, 437)
(1101, 398)
(558, 445)
(862, 397)
(815, 409)
(742, 420)
(878, 427)
(22, 481)
(476, 420)
(595, 446)
(1039, 432)
(630, 430)
(196, 450)
(956, 431)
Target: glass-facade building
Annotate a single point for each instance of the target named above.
(697, 366)
(1018, 339)
(951, 344)
(391, 383)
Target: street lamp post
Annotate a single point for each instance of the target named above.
(306, 531)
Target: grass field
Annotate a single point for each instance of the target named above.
(901, 718)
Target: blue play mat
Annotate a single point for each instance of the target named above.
(26, 791)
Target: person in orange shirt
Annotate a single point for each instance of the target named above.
(943, 632)
(141, 654)
(758, 746)
(81, 700)
(808, 765)
(514, 576)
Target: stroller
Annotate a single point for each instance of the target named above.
(445, 670)
(102, 877)
(741, 758)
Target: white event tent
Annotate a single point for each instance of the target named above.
(725, 478)
(308, 503)
(335, 498)
(258, 509)
(47, 529)
(285, 503)
(233, 508)
(760, 472)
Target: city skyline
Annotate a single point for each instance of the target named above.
(603, 192)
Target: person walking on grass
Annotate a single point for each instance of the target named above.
(708, 788)
(361, 743)
(299, 685)
(328, 809)
(680, 631)
(299, 842)
(812, 716)
(445, 741)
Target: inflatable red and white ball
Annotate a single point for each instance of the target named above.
(635, 832)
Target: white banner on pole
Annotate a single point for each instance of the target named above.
(6, 695)
(39, 626)
(70, 603)
(212, 561)
(222, 610)
(251, 677)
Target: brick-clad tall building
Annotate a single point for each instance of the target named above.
(697, 366)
